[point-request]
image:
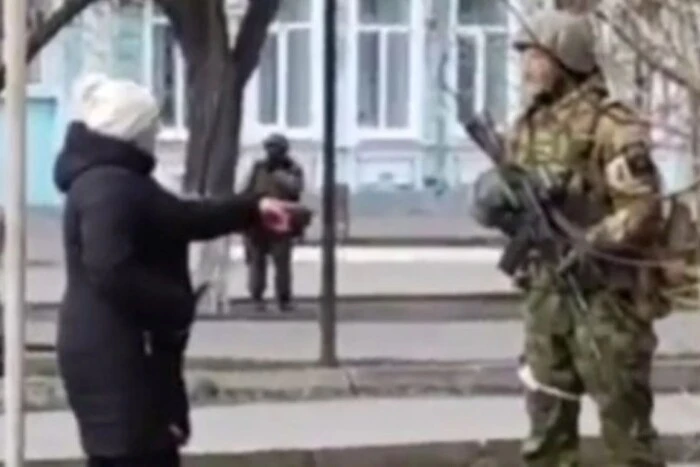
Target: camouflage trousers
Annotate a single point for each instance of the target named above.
(560, 364)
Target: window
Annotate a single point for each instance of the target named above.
(284, 71)
(383, 64)
(481, 57)
(167, 77)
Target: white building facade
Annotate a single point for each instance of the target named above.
(403, 67)
(407, 71)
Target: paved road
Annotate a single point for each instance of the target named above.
(352, 423)
(445, 341)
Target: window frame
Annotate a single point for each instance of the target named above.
(255, 131)
(152, 19)
(415, 31)
(480, 34)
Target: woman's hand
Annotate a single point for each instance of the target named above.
(277, 214)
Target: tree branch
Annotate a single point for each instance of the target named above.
(173, 11)
(657, 63)
(198, 26)
(39, 38)
(251, 36)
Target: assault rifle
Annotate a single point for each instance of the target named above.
(537, 232)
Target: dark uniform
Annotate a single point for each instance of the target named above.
(279, 176)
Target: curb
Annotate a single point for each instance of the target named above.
(208, 387)
(368, 299)
(504, 452)
(480, 306)
(475, 241)
(496, 305)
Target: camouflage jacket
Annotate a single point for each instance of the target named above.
(601, 149)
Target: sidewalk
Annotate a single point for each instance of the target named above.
(424, 341)
(362, 272)
(392, 271)
(235, 362)
(333, 433)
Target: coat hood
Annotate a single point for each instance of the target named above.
(85, 149)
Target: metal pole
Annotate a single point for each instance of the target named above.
(328, 290)
(15, 168)
(695, 154)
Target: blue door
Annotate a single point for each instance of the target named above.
(41, 152)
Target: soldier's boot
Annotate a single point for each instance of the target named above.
(553, 439)
(628, 433)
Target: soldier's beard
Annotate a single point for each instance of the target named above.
(547, 94)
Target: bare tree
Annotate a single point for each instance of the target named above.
(45, 31)
(217, 73)
(218, 69)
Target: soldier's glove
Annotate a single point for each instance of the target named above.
(550, 183)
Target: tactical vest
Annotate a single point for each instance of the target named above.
(667, 276)
(562, 141)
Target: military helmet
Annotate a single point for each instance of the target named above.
(276, 141)
(567, 36)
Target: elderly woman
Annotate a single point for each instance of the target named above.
(129, 303)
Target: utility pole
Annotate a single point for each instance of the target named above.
(695, 155)
(327, 316)
(15, 214)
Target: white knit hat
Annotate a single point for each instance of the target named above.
(119, 109)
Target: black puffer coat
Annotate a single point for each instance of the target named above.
(129, 302)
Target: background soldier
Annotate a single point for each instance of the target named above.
(595, 151)
(280, 175)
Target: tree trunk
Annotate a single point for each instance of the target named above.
(221, 77)
(216, 77)
(200, 28)
(214, 122)
(212, 153)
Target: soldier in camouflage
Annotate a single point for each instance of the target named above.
(600, 152)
